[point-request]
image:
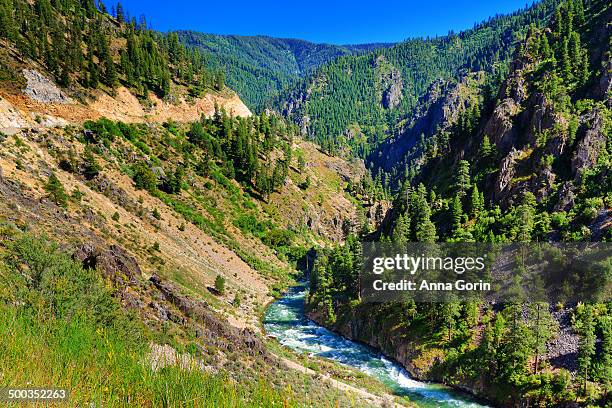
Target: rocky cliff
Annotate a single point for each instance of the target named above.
(436, 112)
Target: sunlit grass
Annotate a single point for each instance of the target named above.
(48, 339)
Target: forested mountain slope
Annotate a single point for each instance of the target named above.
(545, 131)
(526, 162)
(357, 101)
(258, 67)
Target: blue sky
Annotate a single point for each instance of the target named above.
(329, 21)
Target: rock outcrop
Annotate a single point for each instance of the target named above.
(390, 83)
(436, 112)
(590, 147)
(114, 263)
(392, 96)
(41, 89)
(210, 327)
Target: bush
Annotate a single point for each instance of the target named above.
(237, 300)
(305, 184)
(55, 286)
(102, 130)
(55, 191)
(130, 132)
(220, 284)
(144, 178)
(250, 224)
(77, 195)
(91, 167)
(277, 238)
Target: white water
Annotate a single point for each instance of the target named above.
(285, 320)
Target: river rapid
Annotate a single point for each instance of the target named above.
(286, 321)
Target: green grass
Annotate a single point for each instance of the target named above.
(62, 327)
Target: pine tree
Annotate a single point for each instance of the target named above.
(423, 229)
(605, 373)
(569, 18)
(144, 178)
(485, 147)
(462, 178)
(220, 284)
(543, 326)
(174, 182)
(558, 21)
(456, 212)
(491, 343)
(119, 13)
(579, 10)
(450, 311)
(110, 73)
(566, 64)
(8, 28)
(476, 206)
(584, 70)
(525, 218)
(544, 48)
(91, 168)
(575, 53)
(516, 348)
(401, 231)
(64, 78)
(219, 80)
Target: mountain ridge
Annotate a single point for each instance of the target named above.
(258, 67)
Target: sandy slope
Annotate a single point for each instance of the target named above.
(19, 110)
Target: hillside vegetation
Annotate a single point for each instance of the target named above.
(85, 47)
(187, 242)
(259, 67)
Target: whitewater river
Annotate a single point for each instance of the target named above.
(285, 320)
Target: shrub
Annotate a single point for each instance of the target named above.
(130, 132)
(278, 238)
(305, 184)
(220, 284)
(55, 191)
(144, 178)
(91, 167)
(102, 130)
(57, 286)
(77, 195)
(237, 300)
